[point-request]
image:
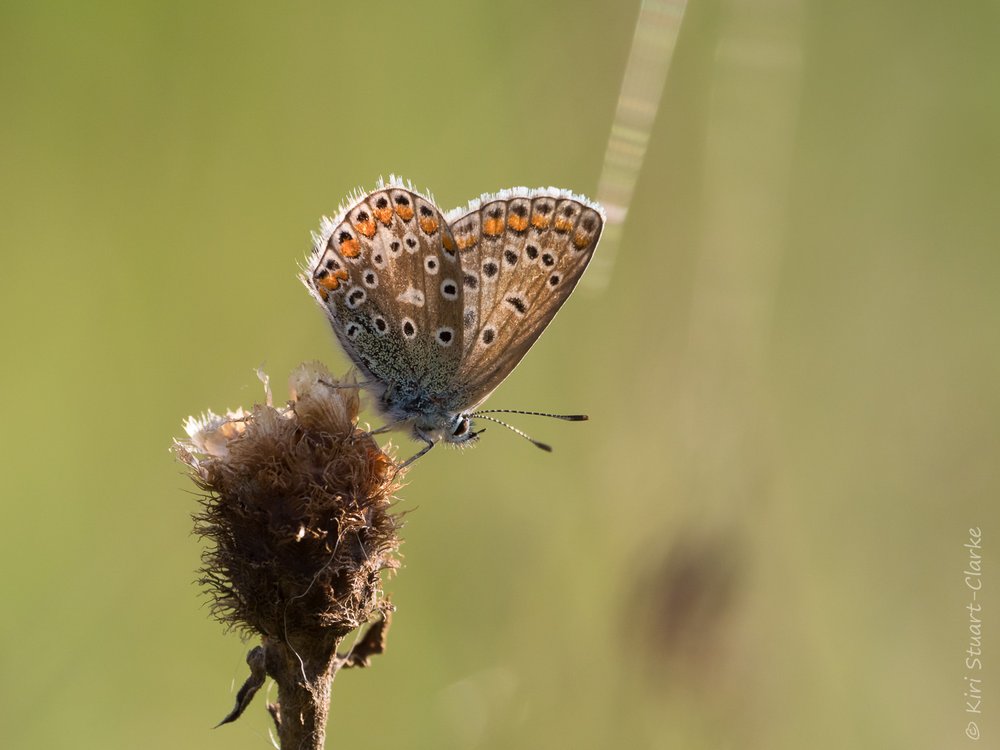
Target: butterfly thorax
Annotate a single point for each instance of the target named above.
(430, 414)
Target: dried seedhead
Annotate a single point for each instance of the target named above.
(296, 512)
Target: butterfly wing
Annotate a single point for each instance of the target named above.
(387, 273)
(522, 253)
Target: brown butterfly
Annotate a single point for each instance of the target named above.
(437, 309)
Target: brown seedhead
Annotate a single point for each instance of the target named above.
(296, 513)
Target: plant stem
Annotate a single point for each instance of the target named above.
(304, 683)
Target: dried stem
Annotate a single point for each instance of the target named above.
(304, 684)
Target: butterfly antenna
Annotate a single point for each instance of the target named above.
(567, 417)
(536, 443)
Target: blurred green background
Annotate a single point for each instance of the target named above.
(792, 373)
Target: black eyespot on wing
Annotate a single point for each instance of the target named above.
(531, 251)
(470, 281)
(490, 269)
(510, 256)
(449, 289)
(518, 304)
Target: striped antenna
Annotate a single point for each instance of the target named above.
(567, 417)
(537, 443)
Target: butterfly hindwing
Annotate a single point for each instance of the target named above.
(437, 311)
(386, 271)
(522, 253)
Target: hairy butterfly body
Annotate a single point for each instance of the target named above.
(437, 309)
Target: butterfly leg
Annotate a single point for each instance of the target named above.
(386, 428)
(328, 384)
(383, 429)
(411, 459)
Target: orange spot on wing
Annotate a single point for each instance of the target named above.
(539, 221)
(429, 224)
(517, 223)
(367, 228)
(331, 282)
(493, 227)
(465, 241)
(581, 240)
(563, 224)
(448, 242)
(350, 248)
(405, 212)
(384, 215)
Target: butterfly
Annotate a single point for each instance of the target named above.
(437, 309)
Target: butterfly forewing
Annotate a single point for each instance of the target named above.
(388, 275)
(521, 255)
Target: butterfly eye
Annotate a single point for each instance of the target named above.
(462, 428)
